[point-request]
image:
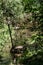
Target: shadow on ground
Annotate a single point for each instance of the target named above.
(4, 61)
(36, 59)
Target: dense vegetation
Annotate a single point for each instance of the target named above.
(21, 23)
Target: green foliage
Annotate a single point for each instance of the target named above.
(4, 38)
(22, 14)
(34, 59)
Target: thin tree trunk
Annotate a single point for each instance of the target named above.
(10, 34)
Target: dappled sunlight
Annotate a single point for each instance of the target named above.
(21, 32)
